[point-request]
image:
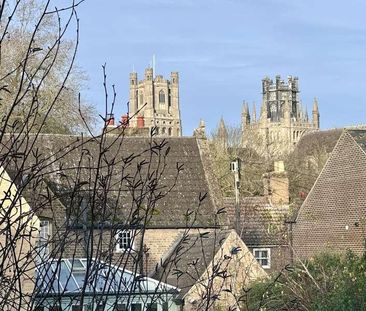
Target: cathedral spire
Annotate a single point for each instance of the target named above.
(245, 113)
(316, 115)
(200, 132)
(222, 134)
(306, 115)
(245, 107)
(254, 114)
(315, 105)
(222, 126)
(264, 111)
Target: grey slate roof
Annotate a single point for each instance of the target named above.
(261, 223)
(70, 162)
(191, 260)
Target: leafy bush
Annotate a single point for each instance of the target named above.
(327, 282)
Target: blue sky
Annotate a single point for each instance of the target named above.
(223, 48)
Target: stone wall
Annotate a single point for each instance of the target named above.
(241, 268)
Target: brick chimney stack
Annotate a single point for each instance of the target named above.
(140, 122)
(276, 185)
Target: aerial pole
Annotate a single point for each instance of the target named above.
(235, 168)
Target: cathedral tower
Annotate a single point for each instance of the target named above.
(155, 100)
(282, 119)
(316, 115)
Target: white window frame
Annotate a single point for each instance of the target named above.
(122, 248)
(259, 259)
(44, 236)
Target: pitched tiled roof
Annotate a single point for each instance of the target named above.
(359, 136)
(191, 260)
(260, 223)
(333, 215)
(69, 162)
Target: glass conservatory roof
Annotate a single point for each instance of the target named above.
(77, 275)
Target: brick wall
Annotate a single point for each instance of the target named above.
(158, 243)
(280, 256)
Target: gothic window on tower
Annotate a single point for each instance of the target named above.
(141, 99)
(161, 97)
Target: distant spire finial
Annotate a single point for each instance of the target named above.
(315, 104)
(254, 113)
(153, 65)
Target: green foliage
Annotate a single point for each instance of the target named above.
(225, 150)
(304, 168)
(328, 282)
(40, 82)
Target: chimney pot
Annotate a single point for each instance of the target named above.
(110, 119)
(124, 120)
(140, 122)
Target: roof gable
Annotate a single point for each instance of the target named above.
(332, 216)
(193, 264)
(184, 266)
(359, 137)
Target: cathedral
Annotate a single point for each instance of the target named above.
(154, 102)
(282, 120)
